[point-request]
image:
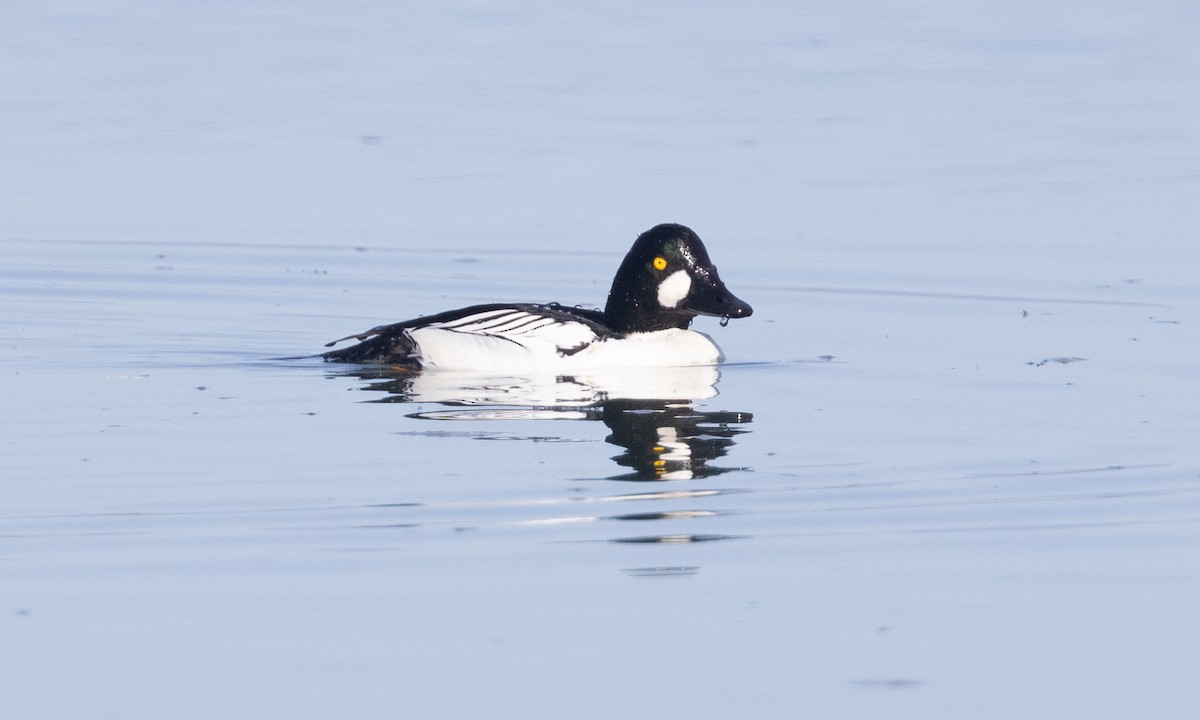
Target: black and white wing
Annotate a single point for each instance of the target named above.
(481, 337)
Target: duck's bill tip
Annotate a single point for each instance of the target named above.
(722, 305)
(744, 310)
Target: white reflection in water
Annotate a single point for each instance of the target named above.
(649, 412)
(545, 390)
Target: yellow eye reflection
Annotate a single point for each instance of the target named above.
(660, 263)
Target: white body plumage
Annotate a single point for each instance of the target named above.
(516, 340)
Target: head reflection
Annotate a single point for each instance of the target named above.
(670, 440)
(650, 412)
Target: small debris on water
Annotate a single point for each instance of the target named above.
(893, 683)
(1059, 360)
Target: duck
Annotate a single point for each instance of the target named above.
(665, 281)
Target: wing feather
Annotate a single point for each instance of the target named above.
(481, 336)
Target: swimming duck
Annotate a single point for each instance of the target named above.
(664, 282)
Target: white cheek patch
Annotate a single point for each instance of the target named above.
(674, 289)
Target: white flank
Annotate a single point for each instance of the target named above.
(518, 341)
(674, 289)
(503, 339)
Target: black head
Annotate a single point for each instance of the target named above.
(665, 281)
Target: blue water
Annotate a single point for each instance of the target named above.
(949, 469)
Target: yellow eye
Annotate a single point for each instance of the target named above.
(660, 263)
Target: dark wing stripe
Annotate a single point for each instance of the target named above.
(476, 319)
(524, 322)
(501, 323)
(534, 327)
(512, 323)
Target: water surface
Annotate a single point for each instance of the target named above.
(949, 469)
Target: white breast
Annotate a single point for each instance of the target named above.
(664, 348)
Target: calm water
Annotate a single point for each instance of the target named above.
(949, 471)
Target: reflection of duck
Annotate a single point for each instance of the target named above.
(580, 389)
(649, 412)
(665, 281)
(670, 440)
